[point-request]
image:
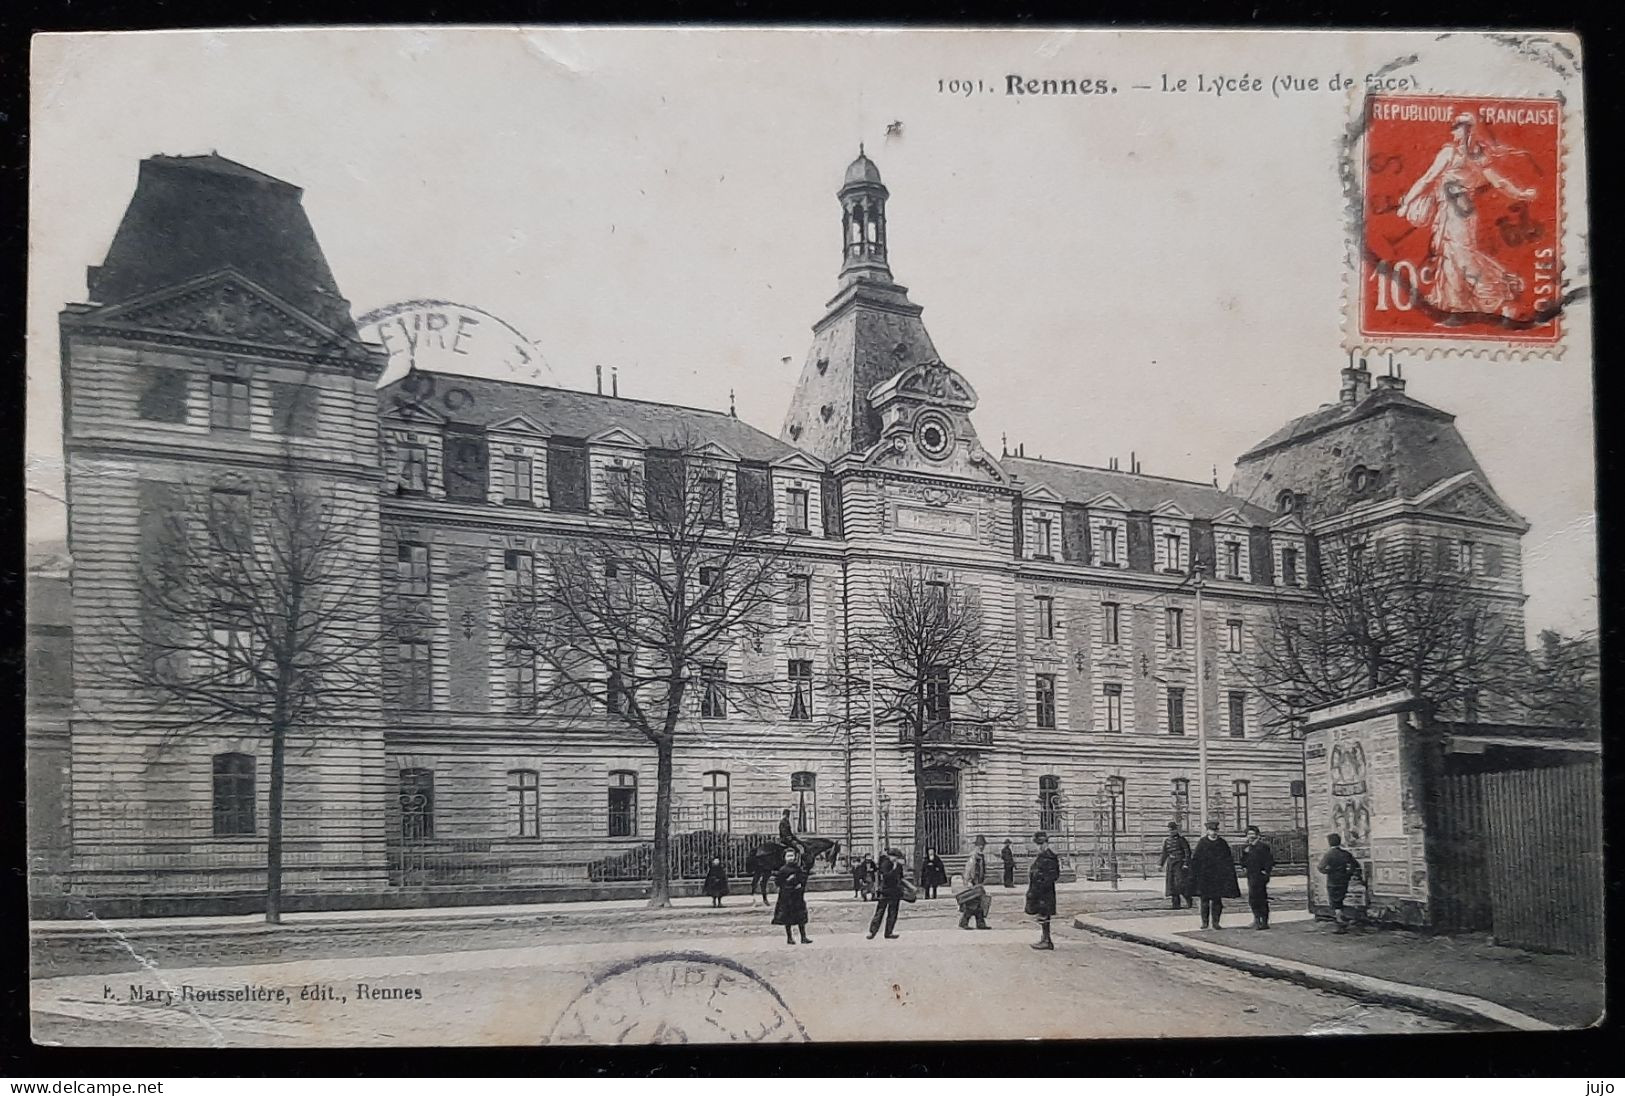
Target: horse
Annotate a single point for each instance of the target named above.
(769, 858)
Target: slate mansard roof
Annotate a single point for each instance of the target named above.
(562, 412)
(1079, 483)
(195, 215)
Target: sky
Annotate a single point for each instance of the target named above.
(1139, 271)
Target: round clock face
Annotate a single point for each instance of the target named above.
(934, 436)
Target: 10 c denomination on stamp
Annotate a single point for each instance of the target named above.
(1462, 220)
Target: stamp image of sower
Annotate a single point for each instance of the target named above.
(677, 997)
(1462, 219)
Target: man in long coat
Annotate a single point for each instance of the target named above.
(1213, 874)
(1008, 857)
(1258, 860)
(890, 892)
(1176, 866)
(791, 908)
(1041, 879)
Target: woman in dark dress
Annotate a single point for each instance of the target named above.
(1176, 866)
(933, 873)
(791, 908)
(716, 882)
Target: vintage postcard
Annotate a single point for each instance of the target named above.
(641, 535)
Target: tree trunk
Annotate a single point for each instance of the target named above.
(660, 861)
(919, 807)
(273, 827)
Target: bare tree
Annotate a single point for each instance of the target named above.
(1385, 618)
(257, 609)
(936, 665)
(653, 621)
(1564, 681)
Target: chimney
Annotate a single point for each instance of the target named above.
(1394, 381)
(614, 380)
(598, 371)
(1356, 384)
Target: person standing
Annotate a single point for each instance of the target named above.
(976, 876)
(1339, 866)
(889, 872)
(856, 864)
(1041, 879)
(716, 882)
(1008, 855)
(787, 833)
(791, 908)
(1176, 866)
(870, 874)
(1213, 874)
(1258, 860)
(933, 873)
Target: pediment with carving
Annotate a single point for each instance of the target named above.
(228, 306)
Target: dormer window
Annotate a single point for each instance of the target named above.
(1044, 538)
(1108, 546)
(1287, 502)
(1232, 560)
(1170, 551)
(1361, 479)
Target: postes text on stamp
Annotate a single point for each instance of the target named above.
(1462, 220)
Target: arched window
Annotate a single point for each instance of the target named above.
(623, 803)
(1286, 502)
(416, 791)
(524, 803)
(804, 789)
(1049, 802)
(233, 795)
(717, 802)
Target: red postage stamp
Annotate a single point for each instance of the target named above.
(1461, 227)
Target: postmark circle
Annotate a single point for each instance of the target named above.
(677, 997)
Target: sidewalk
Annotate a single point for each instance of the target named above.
(1461, 978)
(738, 903)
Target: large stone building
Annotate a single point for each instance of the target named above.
(215, 349)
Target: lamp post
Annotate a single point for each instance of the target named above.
(1114, 790)
(874, 769)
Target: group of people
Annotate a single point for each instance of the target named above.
(1207, 874)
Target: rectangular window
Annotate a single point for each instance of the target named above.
(1494, 561)
(1300, 810)
(1232, 640)
(164, 396)
(1114, 708)
(1044, 538)
(521, 483)
(718, 801)
(524, 803)
(412, 569)
(711, 501)
(1465, 554)
(1244, 809)
(618, 496)
(1112, 619)
(1182, 800)
(711, 592)
(1046, 617)
(566, 476)
(228, 404)
(1176, 710)
(801, 685)
(414, 469)
(1170, 551)
(623, 804)
(936, 601)
(465, 472)
(1045, 684)
(233, 795)
(1232, 560)
(1289, 566)
(412, 670)
(799, 602)
(295, 409)
(796, 505)
(714, 691)
(231, 640)
(804, 789)
(230, 525)
(1108, 545)
(518, 575)
(938, 696)
(1175, 629)
(1238, 715)
(521, 679)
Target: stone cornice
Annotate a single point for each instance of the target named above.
(237, 458)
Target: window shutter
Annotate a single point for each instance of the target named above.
(567, 476)
(1075, 533)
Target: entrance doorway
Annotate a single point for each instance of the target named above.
(941, 821)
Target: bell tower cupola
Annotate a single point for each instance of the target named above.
(863, 223)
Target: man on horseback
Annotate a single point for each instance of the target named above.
(787, 836)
